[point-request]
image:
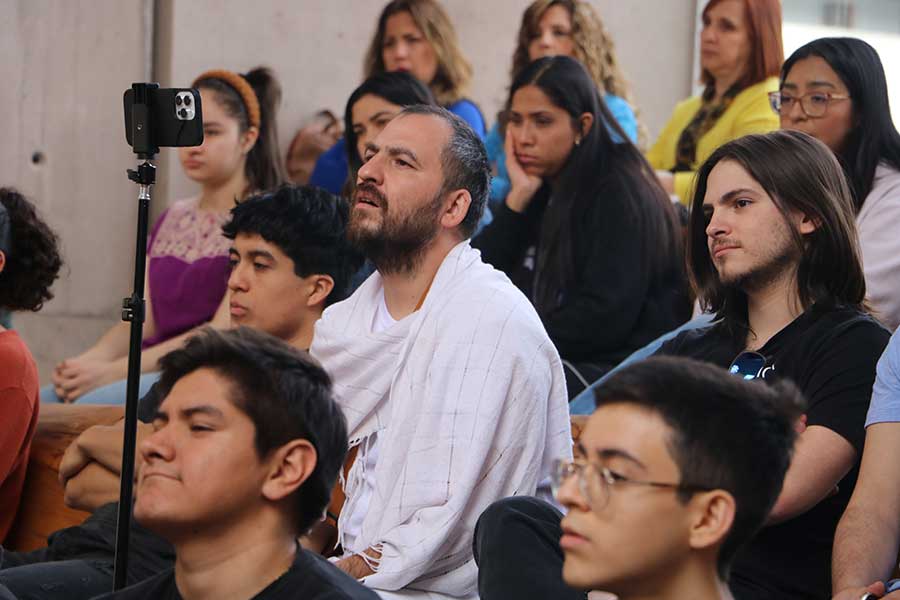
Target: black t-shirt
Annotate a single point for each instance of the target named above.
(311, 577)
(830, 354)
(95, 538)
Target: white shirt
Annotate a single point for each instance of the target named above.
(353, 525)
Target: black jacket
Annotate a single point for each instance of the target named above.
(617, 303)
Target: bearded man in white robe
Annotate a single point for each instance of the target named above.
(452, 389)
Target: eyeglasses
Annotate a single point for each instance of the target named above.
(813, 104)
(595, 482)
(748, 365)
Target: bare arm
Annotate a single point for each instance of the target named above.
(90, 457)
(868, 535)
(75, 377)
(101, 444)
(101, 363)
(113, 344)
(356, 566)
(150, 356)
(91, 488)
(821, 459)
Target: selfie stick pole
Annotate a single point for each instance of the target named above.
(133, 311)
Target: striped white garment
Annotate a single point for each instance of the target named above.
(468, 398)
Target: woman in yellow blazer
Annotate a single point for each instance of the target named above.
(741, 55)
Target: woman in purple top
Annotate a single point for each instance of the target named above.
(187, 270)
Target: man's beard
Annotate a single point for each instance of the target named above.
(397, 244)
(781, 261)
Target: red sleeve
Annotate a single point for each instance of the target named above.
(16, 417)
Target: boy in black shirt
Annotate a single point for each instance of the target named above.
(246, 448)
(290, 259)
(772, 251)
(658, 501)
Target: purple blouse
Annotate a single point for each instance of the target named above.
(188, 269)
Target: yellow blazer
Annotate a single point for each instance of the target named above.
(749, 112)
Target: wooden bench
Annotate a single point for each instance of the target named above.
(42, 509)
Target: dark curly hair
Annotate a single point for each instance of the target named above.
(33, 260)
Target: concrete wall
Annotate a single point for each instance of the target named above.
(70, 60)
(66, 64)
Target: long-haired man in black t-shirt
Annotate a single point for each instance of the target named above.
(772, 252)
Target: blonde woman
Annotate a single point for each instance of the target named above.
(415, 37)
(567, 28)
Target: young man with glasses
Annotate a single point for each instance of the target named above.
(658, 501)
(773, 253)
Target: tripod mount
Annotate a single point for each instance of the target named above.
(134, 312)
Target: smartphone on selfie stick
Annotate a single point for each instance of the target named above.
(154, 118)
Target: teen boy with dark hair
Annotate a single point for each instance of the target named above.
(659, 498)
(290, 259)
(246, 447)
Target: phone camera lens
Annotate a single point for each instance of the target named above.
(183, 113)
(177, 100)
(187, 100)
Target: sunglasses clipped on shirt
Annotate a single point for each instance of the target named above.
(748, 365)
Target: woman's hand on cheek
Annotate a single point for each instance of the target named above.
(523, 186)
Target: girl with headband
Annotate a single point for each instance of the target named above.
(188, 263)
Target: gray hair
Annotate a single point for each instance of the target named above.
(464, 162)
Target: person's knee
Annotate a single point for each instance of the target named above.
(501, 520)
(48, 395)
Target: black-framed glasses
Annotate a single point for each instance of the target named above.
(595, 482)
(813, 104)
(748, 365)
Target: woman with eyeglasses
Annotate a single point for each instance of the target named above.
(740, 54)
(835, 90)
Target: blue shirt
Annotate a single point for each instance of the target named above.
(621, 112)
(885, 405)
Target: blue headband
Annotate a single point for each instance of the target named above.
(5, 232)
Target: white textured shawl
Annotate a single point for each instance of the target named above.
(469, 400)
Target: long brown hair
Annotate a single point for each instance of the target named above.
(766, 49)
(799, 173)
(593, 47)
(594, 167)
(454, 72)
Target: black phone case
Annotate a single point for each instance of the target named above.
(168, 129)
